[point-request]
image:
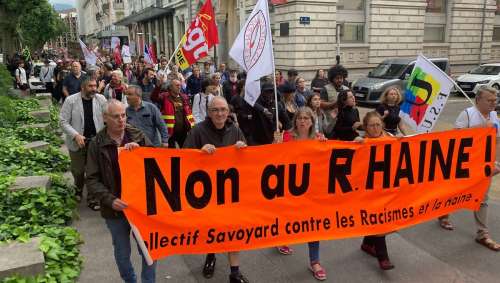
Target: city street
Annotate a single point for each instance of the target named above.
(424, 253)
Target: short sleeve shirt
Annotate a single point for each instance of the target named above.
(471, 118)
(72, 83)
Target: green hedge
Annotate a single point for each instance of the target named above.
(43, 213)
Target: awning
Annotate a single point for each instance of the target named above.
(144, 15)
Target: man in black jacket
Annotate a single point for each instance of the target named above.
(217, 131)
(264, 117)
(104, 184)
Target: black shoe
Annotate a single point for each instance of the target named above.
(238, 278)
(209, 267)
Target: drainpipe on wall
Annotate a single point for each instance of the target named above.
(482, 33)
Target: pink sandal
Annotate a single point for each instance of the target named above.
(285, 250)
(319, 274)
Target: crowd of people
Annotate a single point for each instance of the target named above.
(140, 104)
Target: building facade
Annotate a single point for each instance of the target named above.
(63, 42)
(97, 18)
(309, 34)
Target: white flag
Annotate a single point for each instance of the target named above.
(115, 41)
(425, 95)
(90, 57)
(253, 50)
(127, 58)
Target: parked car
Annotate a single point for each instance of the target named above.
(391, 72)
(486, 74)
(34, 80)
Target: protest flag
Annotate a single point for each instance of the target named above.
(253, 51)
(425, 95)
(90, 57)
(201, 35)
(127, 57)
(147, 55)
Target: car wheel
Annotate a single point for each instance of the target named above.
(496, 86)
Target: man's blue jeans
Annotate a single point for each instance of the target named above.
(120, 233)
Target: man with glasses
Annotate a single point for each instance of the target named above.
(218, 131)
(104, 184)
(482, 115)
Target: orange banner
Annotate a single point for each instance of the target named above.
(187, 201)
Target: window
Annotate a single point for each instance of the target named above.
(284, 29)
(351, 32)
(496, 34)
(351, 5)
(436, 6)
(497, 12)
(434, 33)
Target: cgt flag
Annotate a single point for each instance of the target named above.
(253, 50)
(425, 95)
(199, 38)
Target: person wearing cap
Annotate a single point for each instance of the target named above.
(288, 101)
(264, 116)
(175, 111)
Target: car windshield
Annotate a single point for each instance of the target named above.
(387, 71)
(486, 70)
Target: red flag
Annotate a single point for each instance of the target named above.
(152, 53)
(201, 35)
(278, 2)
(118, 55)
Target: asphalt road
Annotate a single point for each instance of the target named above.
(423, 253)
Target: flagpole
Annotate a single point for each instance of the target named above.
(274, 78)
(452, 80)
(173, 54)
(142, 246)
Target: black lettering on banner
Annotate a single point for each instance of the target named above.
(233, 175)
(421, 161)
(462, 173)
(279, 190)
(152, 174)
(297, 190)
(437, 154)
(382, 166)
(339, 172)
(407, 170)
(202, 177)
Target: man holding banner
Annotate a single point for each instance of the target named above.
(104, 184)
(483, 114)
(218, 131)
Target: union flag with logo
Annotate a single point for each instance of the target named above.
(201, 35)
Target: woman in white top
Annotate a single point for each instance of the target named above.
(21, 79)
(201, 100)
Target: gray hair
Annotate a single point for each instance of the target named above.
(221, 98)
(109, 103)
(484, 88)
(137, 89)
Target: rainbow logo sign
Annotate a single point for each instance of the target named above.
(425, 95)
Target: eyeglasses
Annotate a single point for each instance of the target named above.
(374, 125)
(218, 110)
(303, 118)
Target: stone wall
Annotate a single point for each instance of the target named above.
(396, 29)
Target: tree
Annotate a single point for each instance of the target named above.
(33, 22)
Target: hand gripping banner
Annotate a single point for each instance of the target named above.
(187, 201)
